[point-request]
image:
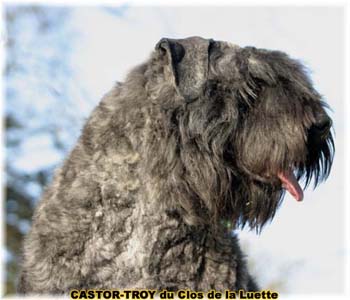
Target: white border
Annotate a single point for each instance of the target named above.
(2, 153)
(183, 2)
(318, 3)
(347, 144)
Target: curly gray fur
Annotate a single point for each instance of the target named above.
(171, 160)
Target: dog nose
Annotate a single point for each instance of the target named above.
(323, 123)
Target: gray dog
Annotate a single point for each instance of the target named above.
(201, 139)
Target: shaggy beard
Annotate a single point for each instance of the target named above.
(201, 177)
(210, 193)
(217, 197)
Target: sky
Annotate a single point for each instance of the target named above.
(305, 243)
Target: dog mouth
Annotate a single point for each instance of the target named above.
(291, 184)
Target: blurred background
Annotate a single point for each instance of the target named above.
(60, 60)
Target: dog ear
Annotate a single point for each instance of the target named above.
(189, 64)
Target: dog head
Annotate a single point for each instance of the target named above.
(239, 126)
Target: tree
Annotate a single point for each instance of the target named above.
(41, 119)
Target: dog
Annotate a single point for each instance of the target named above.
(203, 138)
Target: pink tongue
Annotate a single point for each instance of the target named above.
(290, 183)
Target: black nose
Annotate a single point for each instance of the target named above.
(323, 123)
